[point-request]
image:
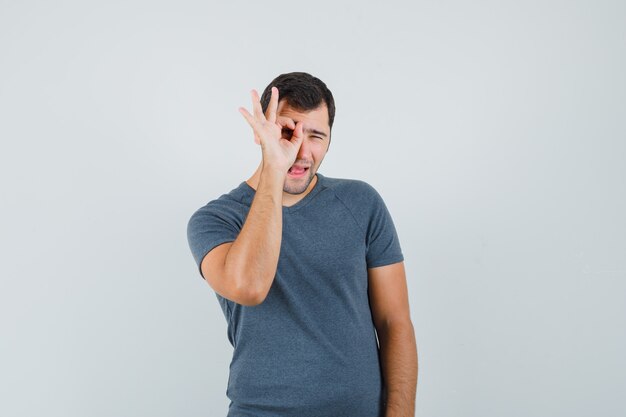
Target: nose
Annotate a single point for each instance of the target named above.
(304, 153)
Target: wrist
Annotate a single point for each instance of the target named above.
(273, 169)
(271, 172)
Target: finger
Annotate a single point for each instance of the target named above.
(273, 106)
(256, 106)
(286, 122)
(298, 133)
(246, 114)
(251, 122)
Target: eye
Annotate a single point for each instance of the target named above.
(318, 137)
(287, 133)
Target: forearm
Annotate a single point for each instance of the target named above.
(399, 364)
(253, 256)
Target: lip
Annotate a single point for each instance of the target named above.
(302, 174)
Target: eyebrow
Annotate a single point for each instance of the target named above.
(315, 131)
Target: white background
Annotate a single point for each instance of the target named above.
(494, 130)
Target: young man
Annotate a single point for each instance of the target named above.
(307, 269)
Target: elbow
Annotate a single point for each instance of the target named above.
(250, 299)
(248, 288)
(250, 295)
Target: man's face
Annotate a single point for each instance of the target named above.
(314, 146)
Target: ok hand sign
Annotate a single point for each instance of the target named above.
(278, 152)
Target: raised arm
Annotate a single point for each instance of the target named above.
(243, 270)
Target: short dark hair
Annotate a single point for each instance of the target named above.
(302, 91)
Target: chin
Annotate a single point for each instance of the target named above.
(298, 187)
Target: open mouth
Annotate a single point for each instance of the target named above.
(297, 171)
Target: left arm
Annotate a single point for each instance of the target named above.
(389, 303)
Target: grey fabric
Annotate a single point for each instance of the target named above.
(310, 348)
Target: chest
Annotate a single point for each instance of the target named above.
(323, 250)
(323, 235)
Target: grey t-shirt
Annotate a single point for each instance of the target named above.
(310, 348)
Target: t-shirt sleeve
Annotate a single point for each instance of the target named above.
(383, 245)
(209, 227)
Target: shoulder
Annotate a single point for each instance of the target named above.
(358, 197)
(231, 205)
(350, 187)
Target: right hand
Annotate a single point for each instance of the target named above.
(279, 150)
